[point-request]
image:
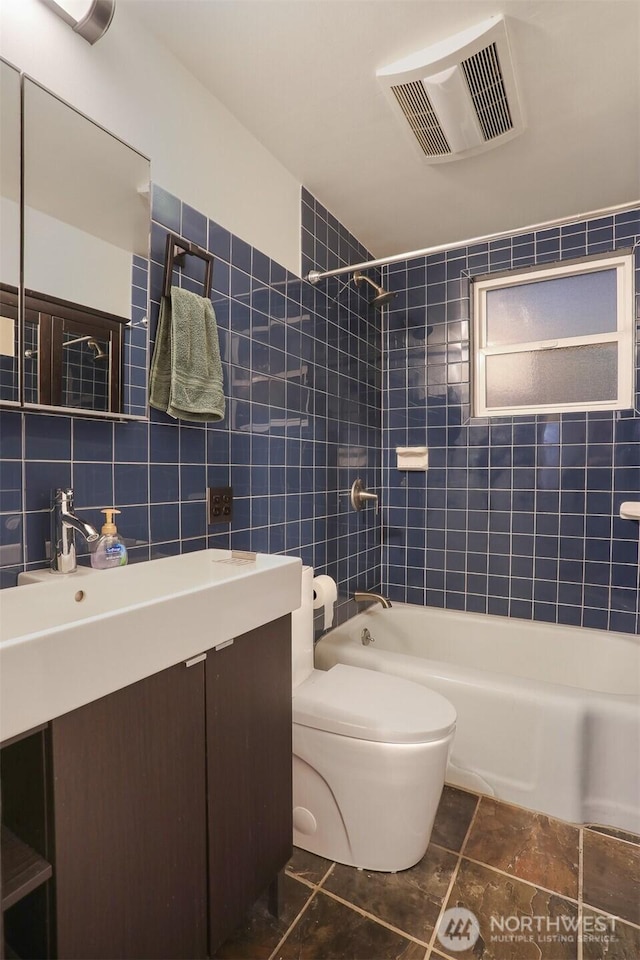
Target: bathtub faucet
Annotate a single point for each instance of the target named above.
(361, 597)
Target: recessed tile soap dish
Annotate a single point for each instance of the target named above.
(630, 510)
(412, 458)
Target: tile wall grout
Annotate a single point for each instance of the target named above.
(470, 559)
(291, 479)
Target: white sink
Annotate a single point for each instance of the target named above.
(72, 638)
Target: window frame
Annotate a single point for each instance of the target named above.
(623, 335)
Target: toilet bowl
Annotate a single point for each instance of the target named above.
(369, 757)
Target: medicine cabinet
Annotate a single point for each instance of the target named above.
(73, 258)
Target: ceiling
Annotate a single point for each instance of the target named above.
(301, 76)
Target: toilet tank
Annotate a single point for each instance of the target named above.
(302, 631)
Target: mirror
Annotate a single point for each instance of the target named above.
(9, 232)
(86, 223)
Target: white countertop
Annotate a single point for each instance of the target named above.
(70, 641)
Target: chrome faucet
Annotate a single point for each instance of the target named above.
(362, 597)
(63, 524)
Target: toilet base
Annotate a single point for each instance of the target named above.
(363, 803)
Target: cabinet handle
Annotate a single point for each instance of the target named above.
(227, 643)
(194, 660)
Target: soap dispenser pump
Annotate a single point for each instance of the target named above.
(110, 551)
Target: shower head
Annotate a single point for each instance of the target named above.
(382, 296)
(99, 353)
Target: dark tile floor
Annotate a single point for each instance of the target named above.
(532, 882)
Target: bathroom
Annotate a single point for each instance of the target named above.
(516, 517)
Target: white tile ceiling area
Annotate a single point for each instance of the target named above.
(300, 75)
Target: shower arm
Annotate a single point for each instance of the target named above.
(359, 277)
(70, 343)
(33, 354)
(314, 276)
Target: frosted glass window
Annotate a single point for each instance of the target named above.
(555, 338)
(549, 309)
(566, 375)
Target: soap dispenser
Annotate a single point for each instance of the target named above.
(110, 551)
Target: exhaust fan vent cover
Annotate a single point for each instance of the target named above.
(486, 87)
(458, 97)
(422, 118)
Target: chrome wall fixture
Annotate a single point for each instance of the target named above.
(381, 297)
(363, 596)
(89, 18)
(360, 497)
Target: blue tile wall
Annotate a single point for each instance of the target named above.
(302, 371)
(516, 516)
(85, 380)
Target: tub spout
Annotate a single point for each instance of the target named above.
(362, 597)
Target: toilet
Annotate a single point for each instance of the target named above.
(369, 757)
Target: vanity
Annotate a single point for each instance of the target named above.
(145, 728)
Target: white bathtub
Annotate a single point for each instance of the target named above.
(548, 716)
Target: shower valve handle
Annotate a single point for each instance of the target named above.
(360, 496)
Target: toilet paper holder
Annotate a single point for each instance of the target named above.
(360, 496)
(325, 595)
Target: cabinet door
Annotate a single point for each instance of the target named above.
(249, 770)
(130, 821)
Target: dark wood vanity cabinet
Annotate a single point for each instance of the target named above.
(249, 761)
(129, 821)
(170, 804)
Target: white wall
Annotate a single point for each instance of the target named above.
(134, 87)
(68, 263)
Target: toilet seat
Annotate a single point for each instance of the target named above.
(368, 705)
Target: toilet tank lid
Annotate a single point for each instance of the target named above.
(369, 705)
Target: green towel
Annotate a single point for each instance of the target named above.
(186, 373)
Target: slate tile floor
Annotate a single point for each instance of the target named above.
(493, 858)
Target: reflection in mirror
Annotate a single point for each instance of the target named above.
(85, 371)
(86, 238)
(9, 231)
(72, 356)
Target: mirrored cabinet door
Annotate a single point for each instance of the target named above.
(9, 232)
(73, 357)
(86, 222)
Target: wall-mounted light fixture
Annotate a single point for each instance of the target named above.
(89, 18)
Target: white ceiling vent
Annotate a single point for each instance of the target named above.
(458, 97)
